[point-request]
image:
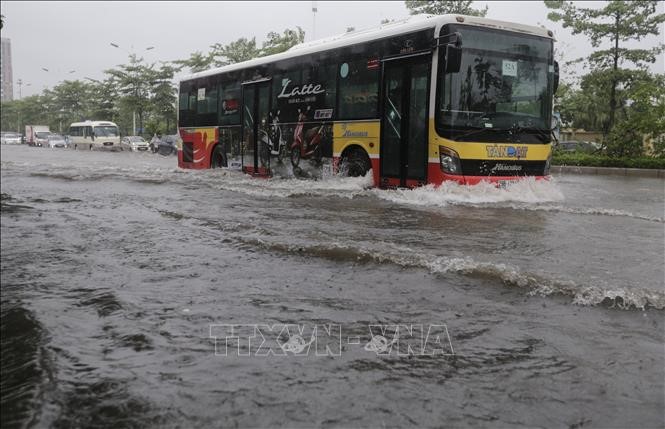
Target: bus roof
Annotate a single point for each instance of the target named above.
(410, 24)
(93, 124)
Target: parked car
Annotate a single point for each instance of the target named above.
(134, 143)
(576, 146)
(55, 140)
(41, 138)
(11, 138)
(168, 145)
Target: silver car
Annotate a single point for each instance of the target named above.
(55, 140)
(11, 138)
(134, 143)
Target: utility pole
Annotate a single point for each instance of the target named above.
(314, 10)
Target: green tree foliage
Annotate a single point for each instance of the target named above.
(277, 43)
(242, 49)
(584, 106)
(102, 102)
(442, 7)
(197, 61)
(73, 98)
(145, 89)
(28, 110)
(642, 116)
(237, 51)
(133, 81)
(163, 99)
(609, 28)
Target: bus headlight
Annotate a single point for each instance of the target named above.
(449, 160)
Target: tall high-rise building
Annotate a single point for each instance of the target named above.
(7, 87)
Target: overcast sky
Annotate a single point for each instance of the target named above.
(66, 36)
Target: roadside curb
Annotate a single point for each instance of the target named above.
(636, 172)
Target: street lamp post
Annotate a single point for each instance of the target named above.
(58, 73)
(21, 83)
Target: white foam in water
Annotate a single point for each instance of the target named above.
(534, 284)
(528, 190)
(339, 186)
(589, 211)
(525, 194)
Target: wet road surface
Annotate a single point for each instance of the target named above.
(121, 275)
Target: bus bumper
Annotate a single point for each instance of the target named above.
(437, 177)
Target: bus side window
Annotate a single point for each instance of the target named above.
(229, 100)
(358, 90)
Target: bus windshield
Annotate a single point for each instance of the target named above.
(106, 131)
(503, 90)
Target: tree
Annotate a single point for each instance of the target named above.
(164, 95)
(617, 23)
(642, 116)
(103, 100)
(196, 62)
(442, 7)
(133, 81)
(10, 112)
(277, 43)
(240, 50)
(72, 98)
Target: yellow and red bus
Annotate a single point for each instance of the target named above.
(424, 100)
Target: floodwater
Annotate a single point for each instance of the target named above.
(121, 273)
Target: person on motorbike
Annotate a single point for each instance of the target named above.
(154, 142)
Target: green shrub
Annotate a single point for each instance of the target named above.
(624, 141)
(591, 160)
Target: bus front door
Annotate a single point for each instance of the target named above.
(256, 104)
(403, 150)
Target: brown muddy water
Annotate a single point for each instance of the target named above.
(132, 292)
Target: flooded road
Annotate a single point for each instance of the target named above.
(128, 286)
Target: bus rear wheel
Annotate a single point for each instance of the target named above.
(356, 163)
(218, 159)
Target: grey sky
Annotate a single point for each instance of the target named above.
(65, 36)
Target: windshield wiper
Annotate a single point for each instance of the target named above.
(515, 130)
(482, 130)
(543, 132)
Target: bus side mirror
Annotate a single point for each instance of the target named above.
(453, 58)
(556, 76)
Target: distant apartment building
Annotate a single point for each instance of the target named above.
(7, 87)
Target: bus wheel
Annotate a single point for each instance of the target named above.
(218, 159)
(356, 163)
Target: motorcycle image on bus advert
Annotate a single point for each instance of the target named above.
(272, 142)
(306, 144)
